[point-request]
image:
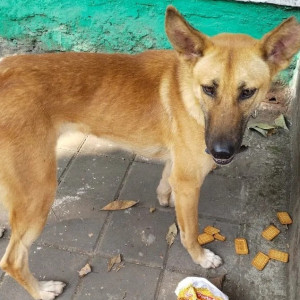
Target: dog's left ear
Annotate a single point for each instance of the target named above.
(185, 39)
(281, 44)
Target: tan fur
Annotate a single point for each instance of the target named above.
(152, 103)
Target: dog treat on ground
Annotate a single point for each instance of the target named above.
(219, 237)
(211, 230)
(260, 261)
(284, 218)
(205, 238)
(270, 232)
(241, 246)
(279, 255)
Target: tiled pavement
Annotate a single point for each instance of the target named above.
(241, 199)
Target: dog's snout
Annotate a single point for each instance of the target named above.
(223, 150)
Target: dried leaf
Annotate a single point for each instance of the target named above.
(114, 260)
(280, 122)
(85, 270)
(152, 209)
(261, 131)
(2, 230)
(171, 235)
(119, 267)
(119, 204)
(263, 126)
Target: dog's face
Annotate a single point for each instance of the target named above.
(231, 74)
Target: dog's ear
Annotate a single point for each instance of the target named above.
(281, 44)
(185, 39)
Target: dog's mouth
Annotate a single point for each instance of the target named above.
(223, 162)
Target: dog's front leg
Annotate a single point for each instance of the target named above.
(186, 180)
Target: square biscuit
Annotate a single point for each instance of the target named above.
(211, 230)
(279, 255)
(205, 238)
(241, 246)
(219, 237)
(260, 261)
(270, 232)
(284, 218)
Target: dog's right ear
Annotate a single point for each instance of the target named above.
(185, 39)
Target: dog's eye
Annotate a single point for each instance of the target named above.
(209, 90)
(246, 94)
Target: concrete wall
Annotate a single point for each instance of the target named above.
(129, 26)
(295, 3)
(294, 269)
(124, 26)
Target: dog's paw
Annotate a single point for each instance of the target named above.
(50, 289)
(166, 200)
(209, 260)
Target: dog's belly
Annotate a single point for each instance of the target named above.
(144, 147)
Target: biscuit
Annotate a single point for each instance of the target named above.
(219, 237)
(211, 230)
(284, 218)
(241, 246)
(260, 261)
(205, 238)
(270, 232)
(279, 255)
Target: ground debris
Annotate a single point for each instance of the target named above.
(152, 209)
(171, 235)
(85, 270)
(114, 260)
(2, 230)
(119, 205)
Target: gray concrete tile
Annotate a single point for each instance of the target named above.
(138, 235)
(141, 183)
(270, 283)
(74, 234)
(63, 158)
(271, 152)
(231, 261)
(97, 146)
(91, 183)
(221, 197)
(264, 196)
(180, 260)
(168, 285)
(47, 264)
(132, 282)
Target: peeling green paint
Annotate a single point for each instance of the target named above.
(126, 26)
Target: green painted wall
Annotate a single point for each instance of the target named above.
(125, 26)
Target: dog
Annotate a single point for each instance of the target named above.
(187, 107)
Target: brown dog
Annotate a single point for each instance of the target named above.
(170, 105)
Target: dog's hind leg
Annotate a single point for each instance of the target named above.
(30, 183)
(164, 190)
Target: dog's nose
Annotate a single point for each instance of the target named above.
(223, 150)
